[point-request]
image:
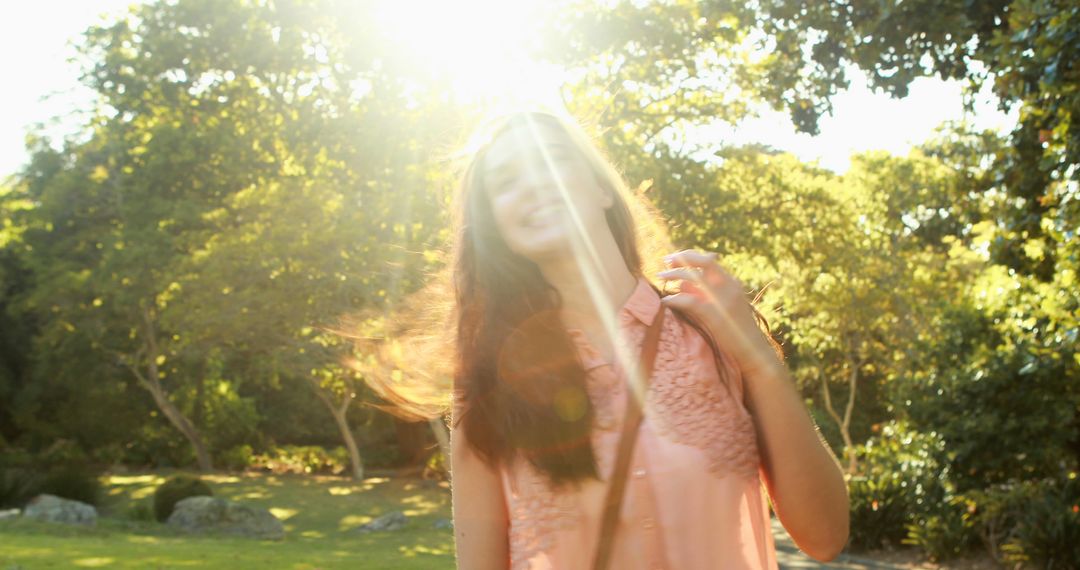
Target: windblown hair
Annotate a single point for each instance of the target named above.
(514, 367)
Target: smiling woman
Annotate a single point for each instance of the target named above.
(551, 309)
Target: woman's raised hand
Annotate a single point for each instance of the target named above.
(718, 299)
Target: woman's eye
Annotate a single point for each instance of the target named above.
(503, 184)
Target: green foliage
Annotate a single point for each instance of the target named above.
(435, 467)
(227, 418)
(901, 482)
(141, 511)
(1006, 410)
(155, 444)
(75, 481)
(175, 490)
(878, 511)
(322, 510)
(17, 486)
(1047, 532)
(945, 532)
(303, 459)
(237, 458)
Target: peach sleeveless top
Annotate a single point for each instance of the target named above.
(694, 496)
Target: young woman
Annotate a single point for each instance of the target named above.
(552, 303)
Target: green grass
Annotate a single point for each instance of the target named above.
(317, 512)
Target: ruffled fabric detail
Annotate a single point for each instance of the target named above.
(686, 403)
(536, 515)
(690, 404)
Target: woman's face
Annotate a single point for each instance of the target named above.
(542, 191)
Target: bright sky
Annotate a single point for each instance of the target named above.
(35, 36)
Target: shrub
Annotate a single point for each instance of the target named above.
(946, 532)
(901, 482)
(75, 482)
(141, 511)
(310, 459)
(17, 486)
(436, 468)
(175, 490)
(62, 453)
(1047, 533)
(237, 458)
(995, 512)
(878, 511)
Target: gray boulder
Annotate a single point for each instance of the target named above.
(50, 508)
(214, 515)
(388, 522)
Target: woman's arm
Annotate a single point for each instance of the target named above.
(804, 479)
(480, 522)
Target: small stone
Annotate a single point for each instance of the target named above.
(443, 524)
(9, 514)
(388, 522)
(50, 508)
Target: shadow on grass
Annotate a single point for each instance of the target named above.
(319, 514)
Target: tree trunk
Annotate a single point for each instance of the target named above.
(151, 380)
(200, 397)
(176, 417)
(412, 441)
(340, 413)
(442, 435)
(845, 422)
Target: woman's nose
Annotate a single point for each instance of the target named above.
(540, 180)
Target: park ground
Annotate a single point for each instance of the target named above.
(319, 513)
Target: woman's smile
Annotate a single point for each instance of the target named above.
(543, 215)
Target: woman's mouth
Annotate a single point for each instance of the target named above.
(543, 215)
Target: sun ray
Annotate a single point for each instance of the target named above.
(599, 286)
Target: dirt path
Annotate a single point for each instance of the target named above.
(790, 557)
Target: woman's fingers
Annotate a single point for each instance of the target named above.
(705, 261)
(680, 273)
(691, 257)
(682, 301)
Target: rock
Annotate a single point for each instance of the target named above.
(51, 508)
(9, 514)
(215, 515)
(388, 522)
(442, 524)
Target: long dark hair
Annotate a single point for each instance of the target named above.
(513, 359)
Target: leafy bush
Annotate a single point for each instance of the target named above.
(175, 490)
(157, 444)
(436, 468)
(878, 511)
(901, 482)
(1047, 533)
(996, 510)
(309, 459)
(1006, 408)
(62, 453)
(229, 420)
(76, 482)
(17, 486)
(237, 458)
(141, 511)
(946, 532)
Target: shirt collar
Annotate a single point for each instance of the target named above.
(643, 303)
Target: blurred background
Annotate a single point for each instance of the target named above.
(198, 197)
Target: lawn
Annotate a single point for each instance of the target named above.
(317, 511)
